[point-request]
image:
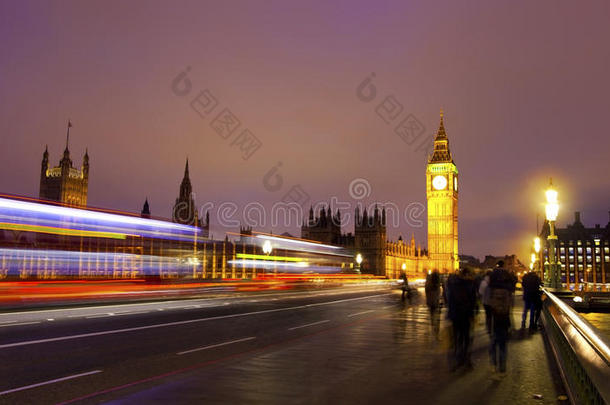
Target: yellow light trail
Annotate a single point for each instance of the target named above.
(60, 231)
(265, 257)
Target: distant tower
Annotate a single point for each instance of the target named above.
(64, 183)
(442, 195)
(370, 240)
(145, 210)
(184, 211)
(325, 227)
(184, 208)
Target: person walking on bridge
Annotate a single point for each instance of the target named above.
(502, 286)
(484, 296)
(461, 297)
(531, 295)
(433, 296)
(405, 287)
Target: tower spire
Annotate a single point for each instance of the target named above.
(145, 209)
(440, 134)
(441, 153)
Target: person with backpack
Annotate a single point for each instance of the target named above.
(502, 287)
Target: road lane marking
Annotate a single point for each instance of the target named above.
(360, 313)
(83, 315)
(216, 345)
(309, 324)
(70, 377)
(188, 321)
(108, 314)
(17, 324)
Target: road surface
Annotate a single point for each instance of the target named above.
(349, 345)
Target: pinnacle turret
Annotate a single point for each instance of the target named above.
(441, 153)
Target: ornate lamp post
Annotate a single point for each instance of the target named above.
(358, 262)
(553, 278)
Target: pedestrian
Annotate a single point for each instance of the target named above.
(461, 295)
(405, 286)
(433, 295)
(484, 297)
(501, 285)
(531, 295)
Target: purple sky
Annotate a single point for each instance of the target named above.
(524, 86)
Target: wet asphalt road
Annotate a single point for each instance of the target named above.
(94, 349)
(351, 345)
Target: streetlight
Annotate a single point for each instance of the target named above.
(267, 248)
(551, 210)
(358, 261)
(537, 244)
(537, 251)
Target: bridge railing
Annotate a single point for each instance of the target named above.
(581, 351)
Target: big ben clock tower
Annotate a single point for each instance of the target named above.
(442, 196)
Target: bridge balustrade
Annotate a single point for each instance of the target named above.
(581, 351)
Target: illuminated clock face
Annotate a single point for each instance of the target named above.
(455, 183)
(439, 182)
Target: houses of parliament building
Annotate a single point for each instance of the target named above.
(69, 185)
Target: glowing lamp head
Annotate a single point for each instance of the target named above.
(537, 244)
(359, 258)
(551, 209)
(533, 257)
(404, 266)
(552, 205)
(267, 248)
(532, 266)
(551, 195)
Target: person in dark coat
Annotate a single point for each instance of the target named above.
(433, 296)
(531, 295)
(461, 300)
(502, 287)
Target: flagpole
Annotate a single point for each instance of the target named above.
(68, 133)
